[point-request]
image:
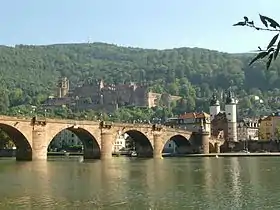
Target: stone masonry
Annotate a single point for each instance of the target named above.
(33, 136)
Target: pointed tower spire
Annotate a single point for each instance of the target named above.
(231, 114)
(214, 101)
(230, 97)
(214, 106)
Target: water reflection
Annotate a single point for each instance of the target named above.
(123, 183)
(114, 176)
(236, 192)
(41, 184)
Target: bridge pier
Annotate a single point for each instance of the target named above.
(202, 141)
(106, 144)
(39, 144)
(217, 148)
(157, 153)
(204, 136)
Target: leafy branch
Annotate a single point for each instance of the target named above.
(272, 50)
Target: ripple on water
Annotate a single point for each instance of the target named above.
(183, 183)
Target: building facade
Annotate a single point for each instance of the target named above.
(108, 97)
(270, 127)
(195, 121)
(219, 125)
(65, 138)
(248, 129)
(120, 143)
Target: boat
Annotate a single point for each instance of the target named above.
(133, 154)
(66, 153)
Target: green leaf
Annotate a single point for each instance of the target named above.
(277, 50)
(263, 19)
(259, 56)
(272, 22)
(269, 61)
(270, 50)
(273, 40)
(240, 24)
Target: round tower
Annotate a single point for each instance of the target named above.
(214, 107)
(230, 109)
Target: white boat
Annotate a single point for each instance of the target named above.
(133, 154)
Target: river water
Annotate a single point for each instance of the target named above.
(124, 183)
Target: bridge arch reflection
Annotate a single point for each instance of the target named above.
(23, 147)
(91, 148)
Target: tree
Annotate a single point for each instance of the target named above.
(4, 101)
(5, 140)
(272, 50)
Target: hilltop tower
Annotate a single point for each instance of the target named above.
(230, 109)
(62, 87)
(214, 107)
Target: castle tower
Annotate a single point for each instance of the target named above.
(63, 87)
(230, 109)
(214, 107)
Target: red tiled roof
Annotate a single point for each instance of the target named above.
(192, 115)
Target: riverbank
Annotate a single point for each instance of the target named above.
(65, 153)
(76, 154)
(231, 154)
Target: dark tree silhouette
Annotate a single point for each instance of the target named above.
(272, 50)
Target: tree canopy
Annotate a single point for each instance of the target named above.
(29, 75)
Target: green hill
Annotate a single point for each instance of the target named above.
(29, 73)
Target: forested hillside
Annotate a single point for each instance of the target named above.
(29, 73)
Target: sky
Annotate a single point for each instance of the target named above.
(159, 24)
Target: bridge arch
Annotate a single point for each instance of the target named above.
(23, 146)
(178, 144)
(139, 142)
(91, 146)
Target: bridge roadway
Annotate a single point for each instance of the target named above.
(32, 137)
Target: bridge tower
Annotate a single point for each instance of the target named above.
(230, 109)
(214, 107)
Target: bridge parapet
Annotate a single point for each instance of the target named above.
(72, 121)
(10, 118)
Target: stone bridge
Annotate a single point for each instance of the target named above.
(33, 136)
